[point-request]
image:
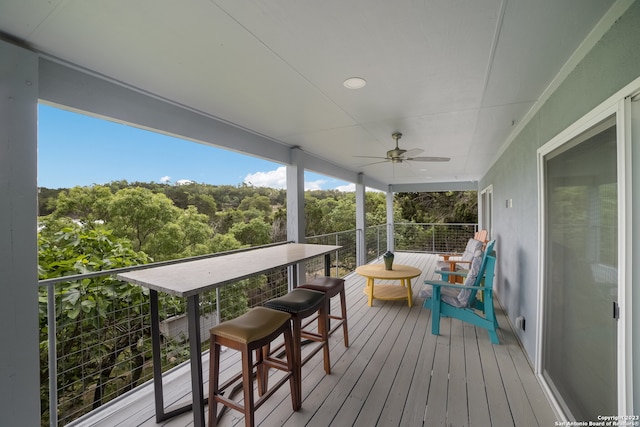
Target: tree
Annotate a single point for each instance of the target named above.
(279, 226)
(343, 216)
(376, 208)
(257, 202)
(439, 207)
(138, 214)
(226, 219)
(253, 233)
(188, 235)
(89, 205)
(313, 214)
(98, 319)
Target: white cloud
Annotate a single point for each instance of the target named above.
(184, 182)
(314, 185)
(165, 179)
(347, 188)
(273, 179)
(278, 179)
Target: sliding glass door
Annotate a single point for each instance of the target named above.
(580, 278)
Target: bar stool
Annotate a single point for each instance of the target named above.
(332, 286)
(302, 303)
(246, 333)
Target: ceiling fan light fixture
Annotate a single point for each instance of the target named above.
(355, 83)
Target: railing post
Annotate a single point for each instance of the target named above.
(53, 363)
(337, 254)
(218, 317)
(433, 239)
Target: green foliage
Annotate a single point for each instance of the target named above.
(441, 207)
(91, 338)
(342, 215)
(223, 243)
(257, 202)
(138, 214)
(89, 205)
(224, 220)
(253, 233)
(376, 208)
(188, 235)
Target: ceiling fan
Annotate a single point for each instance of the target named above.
(398, 155)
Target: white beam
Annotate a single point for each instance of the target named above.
(436, 186)
(20, 360)
(296, 223)
(361, 221)
(391, 245)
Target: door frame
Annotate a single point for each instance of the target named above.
(485, 220)
(620, 105)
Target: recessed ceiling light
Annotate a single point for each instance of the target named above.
(355, 83)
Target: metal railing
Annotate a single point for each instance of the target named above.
(96, 341)
(96, 337)
(343, 261)
(432, 237)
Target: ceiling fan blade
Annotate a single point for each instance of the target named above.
(429, 159)
(374, 163)
(372, 157)
(413, 152)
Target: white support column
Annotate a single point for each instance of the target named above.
(391, 244)
(361, 221)
(20, 367)
(296, 223)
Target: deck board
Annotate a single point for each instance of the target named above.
(476, 391)
(394, 373)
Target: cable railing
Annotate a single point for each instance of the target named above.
(95, 329)
(432, 237)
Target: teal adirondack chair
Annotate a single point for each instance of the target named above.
(445, 299)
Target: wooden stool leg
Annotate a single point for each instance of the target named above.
(323, 330)
(294, 380)
(247, 385)
(343, 306)
(262, 371)
(297, 355)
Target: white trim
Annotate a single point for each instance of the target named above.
(624, 356)
(541, 265)
(618, 104)
(625, 270)
(482, 221)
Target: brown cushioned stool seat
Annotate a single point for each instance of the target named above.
(302, 303)
(332, 286)
(251, 331)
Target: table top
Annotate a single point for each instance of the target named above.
(193, 277)
(398, 271)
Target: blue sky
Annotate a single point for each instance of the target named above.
(75, 149)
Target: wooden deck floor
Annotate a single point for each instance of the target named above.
(395, 373)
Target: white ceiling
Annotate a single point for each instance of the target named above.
(454, 77)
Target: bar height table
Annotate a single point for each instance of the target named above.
(191, 278)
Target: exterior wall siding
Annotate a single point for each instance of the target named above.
(610, 65)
